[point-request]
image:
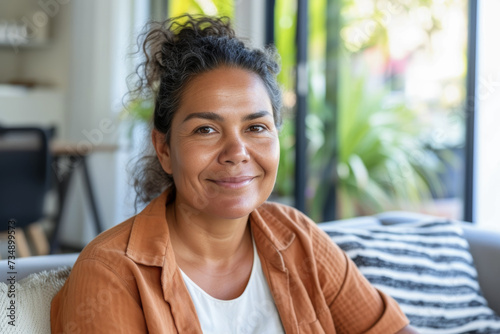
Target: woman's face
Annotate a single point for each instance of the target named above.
(223, 152)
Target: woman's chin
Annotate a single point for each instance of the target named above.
(232, 212)
(224, 206)
(232, 209)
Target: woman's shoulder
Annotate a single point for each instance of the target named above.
(283, 221)
(278, 214)
(279, 217)
(110, 246)
(284, 212)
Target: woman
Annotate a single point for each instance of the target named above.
(208, 254)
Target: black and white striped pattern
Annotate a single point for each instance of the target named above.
(427, 268)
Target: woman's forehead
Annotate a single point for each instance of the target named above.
(223, 77)
(225, 89)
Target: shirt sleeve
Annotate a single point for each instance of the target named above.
(95, 300)
(355, 305)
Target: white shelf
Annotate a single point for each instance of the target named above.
(12, 90)
(5, 45)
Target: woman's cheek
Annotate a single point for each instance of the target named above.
(270, 154)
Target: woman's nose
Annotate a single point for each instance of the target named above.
(234, 151)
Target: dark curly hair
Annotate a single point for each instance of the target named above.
(176, 51)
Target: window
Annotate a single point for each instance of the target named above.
(386, 105)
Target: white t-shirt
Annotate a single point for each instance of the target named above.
(252, 312)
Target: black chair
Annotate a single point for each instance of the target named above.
(25, 162)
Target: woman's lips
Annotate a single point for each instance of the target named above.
(234, 182)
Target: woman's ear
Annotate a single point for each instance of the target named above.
(162, 150)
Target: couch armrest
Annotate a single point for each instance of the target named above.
(485, 249)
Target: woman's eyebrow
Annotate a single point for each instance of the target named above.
(216, 117)
(256, 115)
(204, 115)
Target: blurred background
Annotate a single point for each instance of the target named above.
(388, 105)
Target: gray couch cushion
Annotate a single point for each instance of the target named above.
(427, 267)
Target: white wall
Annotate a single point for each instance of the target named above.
(101, 34)
(250, 21)
(487, 163)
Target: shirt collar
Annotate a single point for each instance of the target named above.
(149, 239)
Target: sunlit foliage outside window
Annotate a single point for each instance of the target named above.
(394, 74)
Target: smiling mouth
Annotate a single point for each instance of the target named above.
(234, 182)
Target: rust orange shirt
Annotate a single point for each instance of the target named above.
(127, 281)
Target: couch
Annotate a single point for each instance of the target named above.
(42, 276)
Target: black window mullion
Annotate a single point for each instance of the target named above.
(270, 11)
(470, 105)
(301, 87)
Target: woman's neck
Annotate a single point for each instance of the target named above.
(204, 240)
(216, 254)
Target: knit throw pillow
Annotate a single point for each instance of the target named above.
(26, 305)
(427, 268)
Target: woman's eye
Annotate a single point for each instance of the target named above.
(204, 130)
(256, 128)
